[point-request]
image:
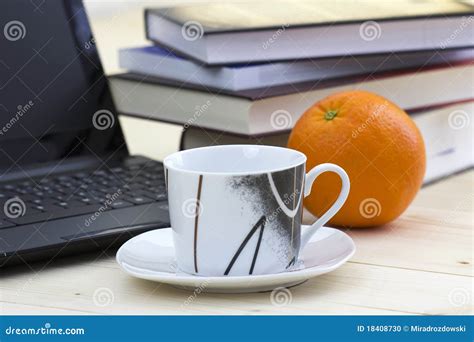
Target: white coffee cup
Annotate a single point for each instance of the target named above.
(236, 209)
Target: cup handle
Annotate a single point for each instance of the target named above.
(309, 180)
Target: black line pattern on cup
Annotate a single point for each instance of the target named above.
(282, 214)
(292, 262)
(260, 224)
(196, 221)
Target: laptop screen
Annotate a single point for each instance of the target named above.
(54, 99)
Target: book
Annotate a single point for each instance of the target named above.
(162, 63)
(245, 32)
(239, 113)
(446, 130)
(194, 137)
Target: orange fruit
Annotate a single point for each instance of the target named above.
(377, 144)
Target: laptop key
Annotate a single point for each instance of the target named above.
(89, 200)
(78, 202)
(120, 204)
(139, 199)
(81, 175)
(155, 196)
(47, 207)
(60, 198)
(9, 187)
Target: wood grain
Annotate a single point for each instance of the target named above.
(353, 289)
(421, 264)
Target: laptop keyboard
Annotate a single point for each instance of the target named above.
(30, 201)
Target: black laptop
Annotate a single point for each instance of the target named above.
(67, 181)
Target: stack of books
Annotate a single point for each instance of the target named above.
(245, 72)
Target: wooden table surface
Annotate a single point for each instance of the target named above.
(419, 264)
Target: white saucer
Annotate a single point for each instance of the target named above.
(151, 256)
